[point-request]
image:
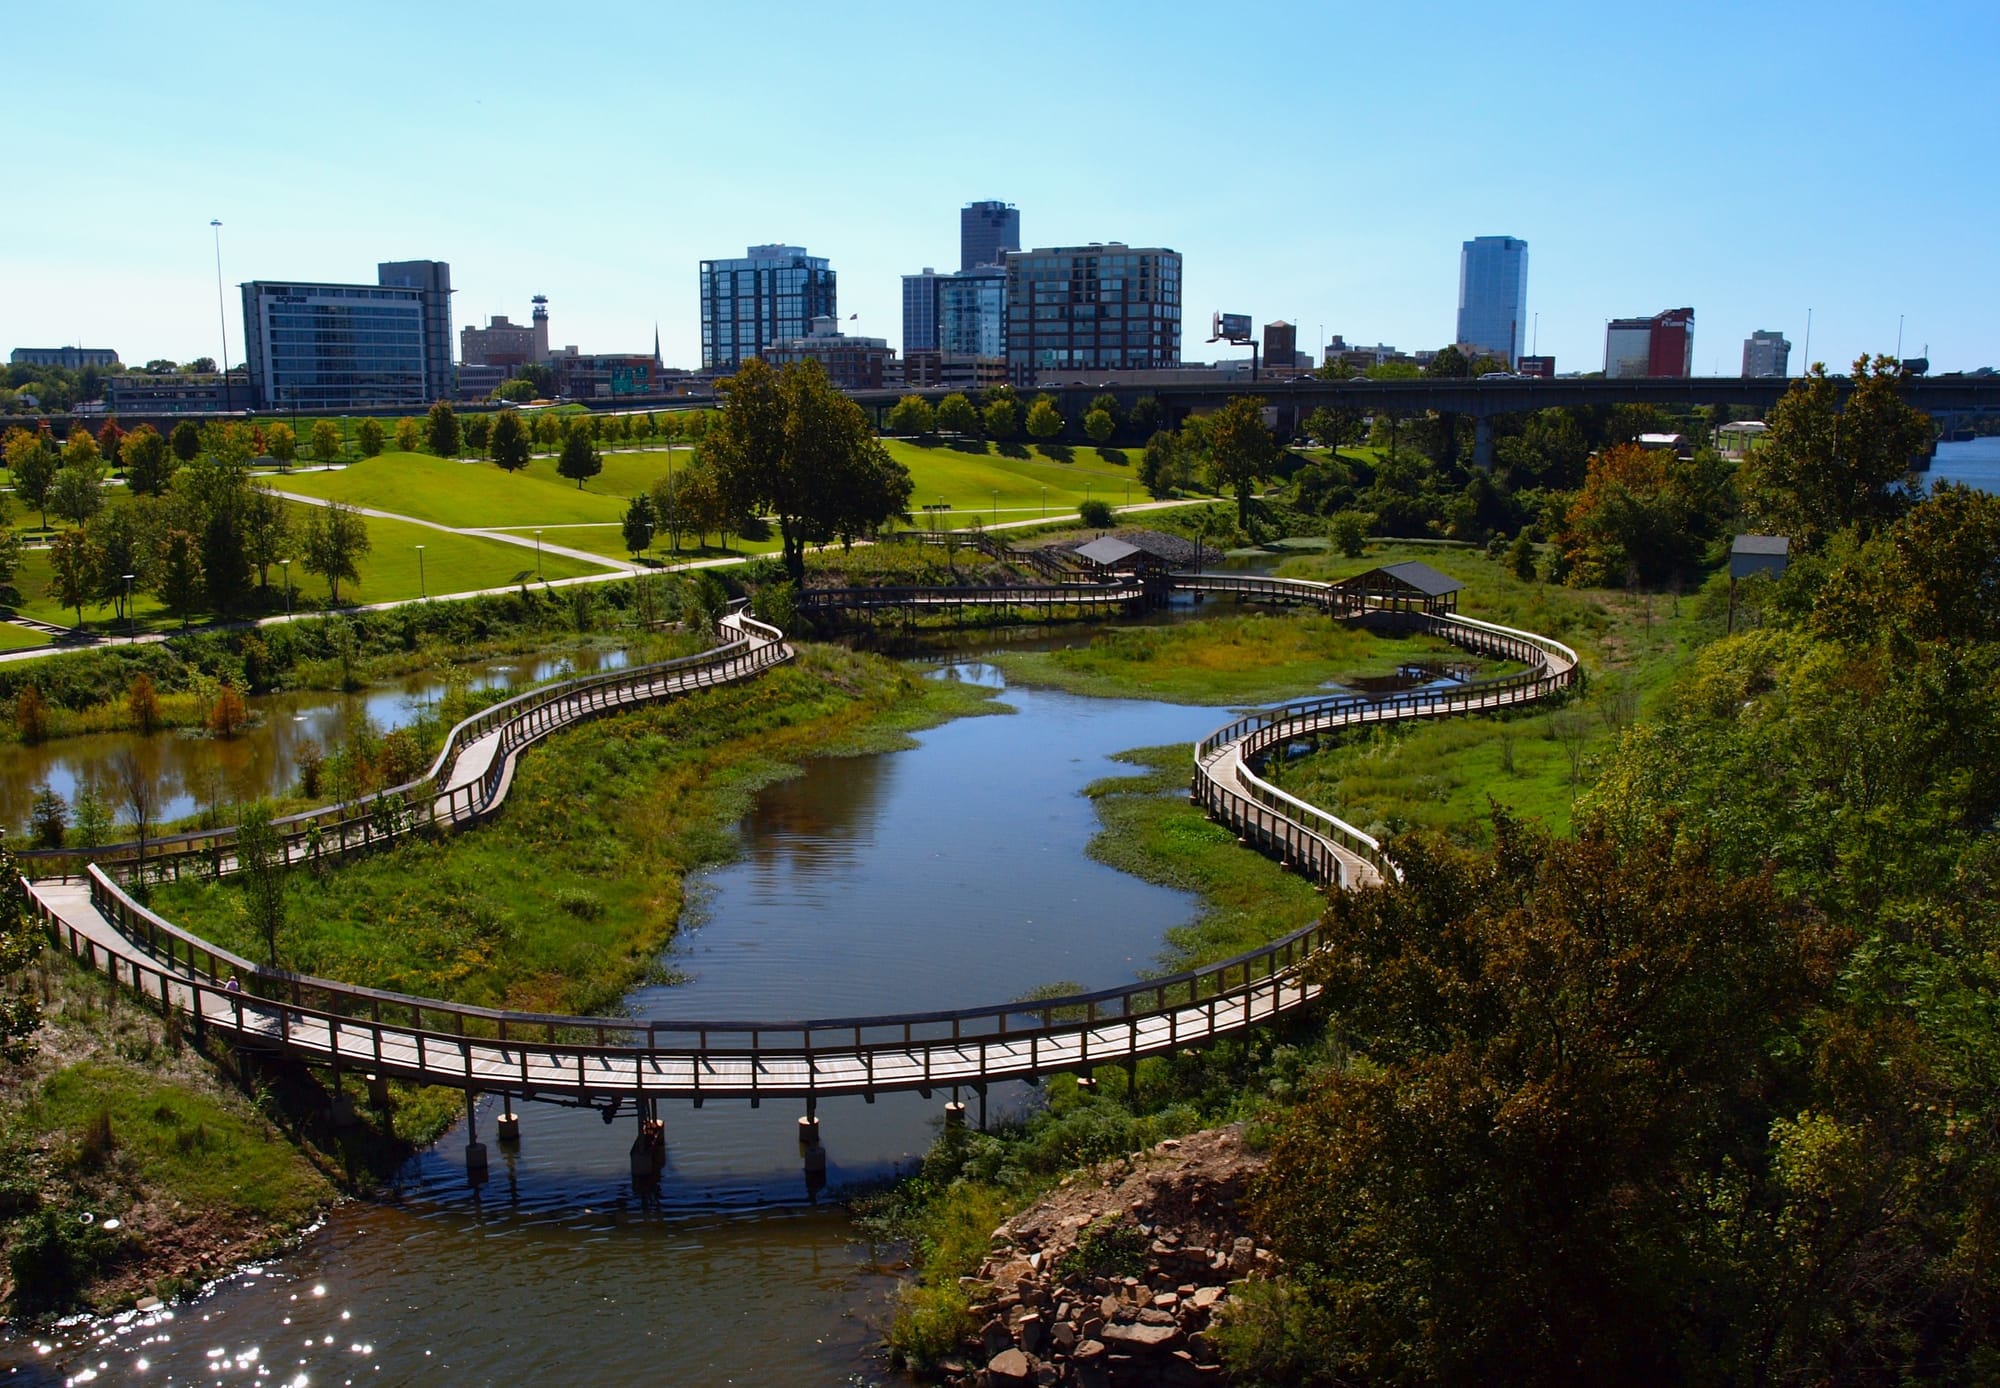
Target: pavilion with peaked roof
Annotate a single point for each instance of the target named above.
(1411, 586)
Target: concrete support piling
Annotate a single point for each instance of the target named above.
(475, 1150)
(509, 1122)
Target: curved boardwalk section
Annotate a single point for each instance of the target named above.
(593, 1059)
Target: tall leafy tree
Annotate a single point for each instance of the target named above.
(409, 434)
(1001, 418)
(77, 492)
(369, 434)
(122, 542)
(1823, 466)
(1099, 426)
(149, 463)
(325, 440)
(956, 415)
(71, 569)
(912, 415)
(509, 441)
(580, 459)
(638, 525)
(260, 854)
(32, 461)
(335, 538)
(186, 441)
(176, 575)
(281, 443)
(441, 430)
(793, 445)
(267, 531)
(1241, 451)
(1045, 422)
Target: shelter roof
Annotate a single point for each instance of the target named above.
(1778, 545)
(1107, 551)
(1411, 573)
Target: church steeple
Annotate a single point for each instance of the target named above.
(656, 347)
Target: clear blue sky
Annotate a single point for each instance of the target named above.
(1315, 162)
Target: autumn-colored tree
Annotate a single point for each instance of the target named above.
(281, 443)
(31, 715)
(1642, 512)
(142, 702)
(227, 715)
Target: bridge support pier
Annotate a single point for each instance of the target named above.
(954, 1115)
(809, 1127)
(1482, 443)
(378, 1091)
(649, 1148)
(509, 1122)
(475, 1150)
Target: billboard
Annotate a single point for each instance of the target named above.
(1232, 327)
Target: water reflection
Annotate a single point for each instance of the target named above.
(189, 771)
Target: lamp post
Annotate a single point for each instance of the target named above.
(1045, 502)
(221, 313)
(128, 606)
(538, 557)
(286, 565)
(996, 506)
(422, 591)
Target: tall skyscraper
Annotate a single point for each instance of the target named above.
(1493, 295)
(920, 311)
(770, 294)
(1766, 354)
(972, 312)
(986, 232)
(1079, 308)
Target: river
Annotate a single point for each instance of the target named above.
(1971, 463)
(951, 873)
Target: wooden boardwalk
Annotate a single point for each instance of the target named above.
(601, 1059)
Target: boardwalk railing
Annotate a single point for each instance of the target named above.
(477, 1048)
(435, 799)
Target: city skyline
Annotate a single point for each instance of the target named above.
(1350, 224)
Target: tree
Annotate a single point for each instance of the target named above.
(408, 435)
(227, 715)
(1553, 1165)
(48, 817)
(1044, 420)
(186, 441)
(368, 433)
(1334, 428)
(580, 459)
(200, 366)
(1240, 450)
(335, 539)
(1099, 426)
(281, 443)
(441, 430)
(638, 528)
(1095, 513)
(77, 493)
(1002, 418)
(177, 576)
(956, 415)
(260, 854)
(325, 440)
(32, 461)
(912, 415)
(478, 432)
(71, 569)
(517, 390)
(794, 445)
(81, 450)
(1823, 466)
(1643, 512)
(149, 463)
(1145, 417)
(111, 442)
(267, 531)
(1348, 532)
(122, 543)
(142, 702)
(20, 945)
(510, 441)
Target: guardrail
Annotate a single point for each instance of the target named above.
(432, 800)
(436, 1041)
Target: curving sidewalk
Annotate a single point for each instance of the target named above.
(601, 1059)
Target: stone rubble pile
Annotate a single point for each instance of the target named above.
(1115, 1280)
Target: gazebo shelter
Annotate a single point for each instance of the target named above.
(1110, 555)
(1411, 586)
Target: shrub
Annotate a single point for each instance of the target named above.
(1095, 513)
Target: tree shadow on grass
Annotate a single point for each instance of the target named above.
(963, 445)
(1013, 450)
(1115, 456)
(1059, 452)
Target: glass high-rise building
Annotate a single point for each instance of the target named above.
(432, 280)
(769, 294)
(1081, 308)
(1493, 295)
(986, 232)
(340, 346)
(920, 311)
(972, 312)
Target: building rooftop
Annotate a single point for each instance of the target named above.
(1412, 573)
(1778, 545)
(1107, 551)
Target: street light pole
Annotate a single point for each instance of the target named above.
(221, 313)
(286, 565)
(422, 591)
(538, 558)
(128, 606)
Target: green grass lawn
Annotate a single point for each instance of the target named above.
(13, 638)
(32, 579)
(609, 541)
(451, 563)
(476, 495)
(967, 481)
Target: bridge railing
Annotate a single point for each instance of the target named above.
(164, 953)
(430, 800)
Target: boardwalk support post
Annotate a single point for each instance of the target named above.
(809, 1126)
(509, 1121)
(475, 1150)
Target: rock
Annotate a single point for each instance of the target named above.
(1062, 1336)
(1208, 1296)
(1203, 1349)
(994, 1337)
(1110, 1307)
(1010, 1369)
(1032, 1334)
(1153, 1315)
(1167, 1301)
(1141, 1338)
(1088, 1350)
(1179, 1370)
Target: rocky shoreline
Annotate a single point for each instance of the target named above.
(1117, 1277)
